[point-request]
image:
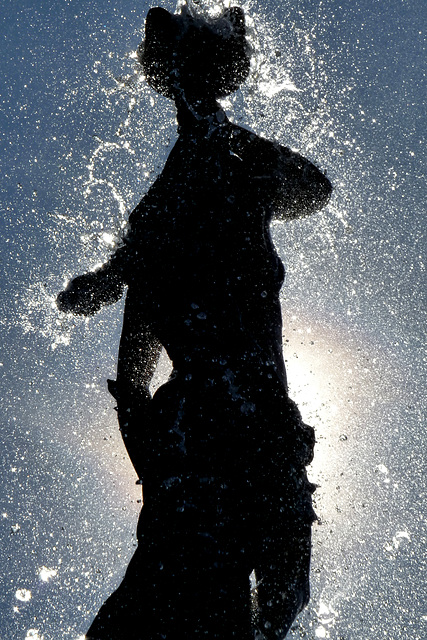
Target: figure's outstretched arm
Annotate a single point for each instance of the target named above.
(87, 293)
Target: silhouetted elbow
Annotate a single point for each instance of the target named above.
(305, 190)
(316, 192)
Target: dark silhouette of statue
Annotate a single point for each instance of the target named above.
(220, 448)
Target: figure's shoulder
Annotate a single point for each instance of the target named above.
(242, 135)
(255, 149)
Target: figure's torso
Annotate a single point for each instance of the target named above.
(207, 264)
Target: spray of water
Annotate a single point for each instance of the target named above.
(287, 97)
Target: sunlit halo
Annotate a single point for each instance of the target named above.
(332, 377)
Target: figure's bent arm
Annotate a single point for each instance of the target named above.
(304, 188)
(139, 349)
(138, 356)
(283, 179)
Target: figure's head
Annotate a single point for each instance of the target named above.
(203, 59)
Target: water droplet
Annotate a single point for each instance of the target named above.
(382, 469)
(46, 574)
(24, 595)
(33, 634)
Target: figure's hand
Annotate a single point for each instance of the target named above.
(86, 294)
(81, 296)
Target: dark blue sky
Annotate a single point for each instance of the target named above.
(82, 138)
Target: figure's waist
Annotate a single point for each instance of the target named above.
(245, 361)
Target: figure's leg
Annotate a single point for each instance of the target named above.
(283, 515)
(182, 581)
(188, 577)
(140, 609)
(282, 580)
(128, 611)
(203, 588)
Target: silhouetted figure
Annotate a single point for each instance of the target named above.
(220, 447)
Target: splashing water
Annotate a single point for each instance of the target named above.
(33, 634)
(87, 138)
(284, 99)
(208, 9)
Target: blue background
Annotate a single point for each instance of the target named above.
(82, 139)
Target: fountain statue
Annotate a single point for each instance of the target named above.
(220, 448)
